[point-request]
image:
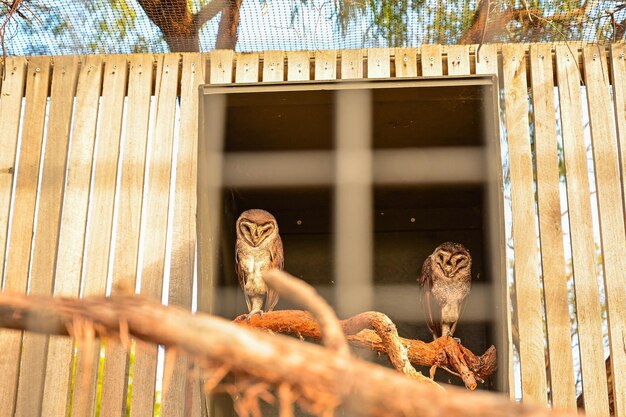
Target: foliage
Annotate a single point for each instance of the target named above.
(123, 26)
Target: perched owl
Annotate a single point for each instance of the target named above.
(445, 280)
(258, 249)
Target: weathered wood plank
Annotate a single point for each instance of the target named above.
(273, 66)
(486, 59)
(154, 228)
(618, 68)
(351, 64)
(298, 66)
(406, 62)
(35, 346)
(100, 214)
(431, 60)
(22, 225)
(325, 65)
(378, 63)
(184, 231)
(221, 61)
(10, 113)
(610, 212)
(130, 191)
(247, 68)
(527, 279)
(56, 399)
(458, 60)
(563, 387)
(581, 234)
(488, 64)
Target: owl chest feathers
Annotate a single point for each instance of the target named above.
(253, 262)
(448, 290)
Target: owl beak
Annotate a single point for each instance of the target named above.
(255, 236)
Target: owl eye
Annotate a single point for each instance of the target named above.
(246, 229)
(266, 230)
(460, 261)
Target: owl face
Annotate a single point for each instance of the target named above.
(452, 259)
(256, 227)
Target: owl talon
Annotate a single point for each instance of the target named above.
(253, 312)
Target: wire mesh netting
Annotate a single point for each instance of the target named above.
(53, 27)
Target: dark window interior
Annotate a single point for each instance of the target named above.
(409, 220)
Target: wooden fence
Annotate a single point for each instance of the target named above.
(96, 168)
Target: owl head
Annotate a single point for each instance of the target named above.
(257, 227)
(451, 259)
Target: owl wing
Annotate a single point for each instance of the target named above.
(241, 276)
(277, 260)
(430, 306)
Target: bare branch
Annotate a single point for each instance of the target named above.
(315, 375)
(444, 352)
(208, 12)
(305, 296)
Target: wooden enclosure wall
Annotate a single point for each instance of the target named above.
(90, 145)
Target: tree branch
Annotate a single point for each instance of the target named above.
(174, 19)
(311, 374)
(444, 352)
(332, 333)
(305, 296)
(208, 12)
(487, 25)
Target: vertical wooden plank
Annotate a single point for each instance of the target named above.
(10, 113)
(72, 230)
(351, 64)
(581, 234)
(618, 69)
(378, 65)
(610, 211)
(431, 60)
(247, 68)
(406, 62)
(487, 63)
(115, 378)
(327, 59)
(298, 66)
(184, 229)
(22, 224)
(563, 387)
(458, 60)
(221, 66)
(154, 228)
(35, 346)
(100, 216)
(325, 65)
(486, 59)
(527, 279)
(273, 66)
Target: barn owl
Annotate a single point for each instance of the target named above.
(258, 249)
(445, 281)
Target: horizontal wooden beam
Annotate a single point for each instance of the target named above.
(453, 165)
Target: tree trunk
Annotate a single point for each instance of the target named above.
(176, 22)
(229, 25)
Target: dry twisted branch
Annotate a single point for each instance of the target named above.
(312, 374)
(444, 352)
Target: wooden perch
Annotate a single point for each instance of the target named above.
(444, 352)
(312, 376)
(332, 332)
(304, 295)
